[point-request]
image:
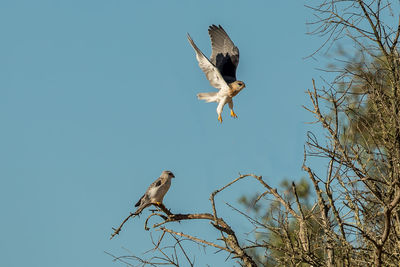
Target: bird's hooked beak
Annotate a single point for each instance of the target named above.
(172, 175)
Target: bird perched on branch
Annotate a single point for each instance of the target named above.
(156, 192)
(220, 70)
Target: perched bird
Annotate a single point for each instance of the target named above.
(220, 70)
(156, 191)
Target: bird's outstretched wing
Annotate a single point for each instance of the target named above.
(225, 55)
(212, 73)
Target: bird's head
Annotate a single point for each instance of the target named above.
(239, 85)
(236, 87)
(167, 174)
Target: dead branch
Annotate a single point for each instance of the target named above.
(132, 215)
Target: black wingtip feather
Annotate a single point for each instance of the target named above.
(138, 203)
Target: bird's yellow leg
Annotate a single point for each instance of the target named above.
(157, 203)
(220, 118)
(233, 114)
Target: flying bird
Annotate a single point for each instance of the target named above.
(220, 69)
(156, 191)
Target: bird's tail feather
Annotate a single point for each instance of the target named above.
(208, 97)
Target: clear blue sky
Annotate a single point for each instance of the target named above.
(98, 97)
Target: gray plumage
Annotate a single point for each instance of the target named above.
(156, 191)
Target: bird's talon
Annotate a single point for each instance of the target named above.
(220, 118)
(233, 114)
